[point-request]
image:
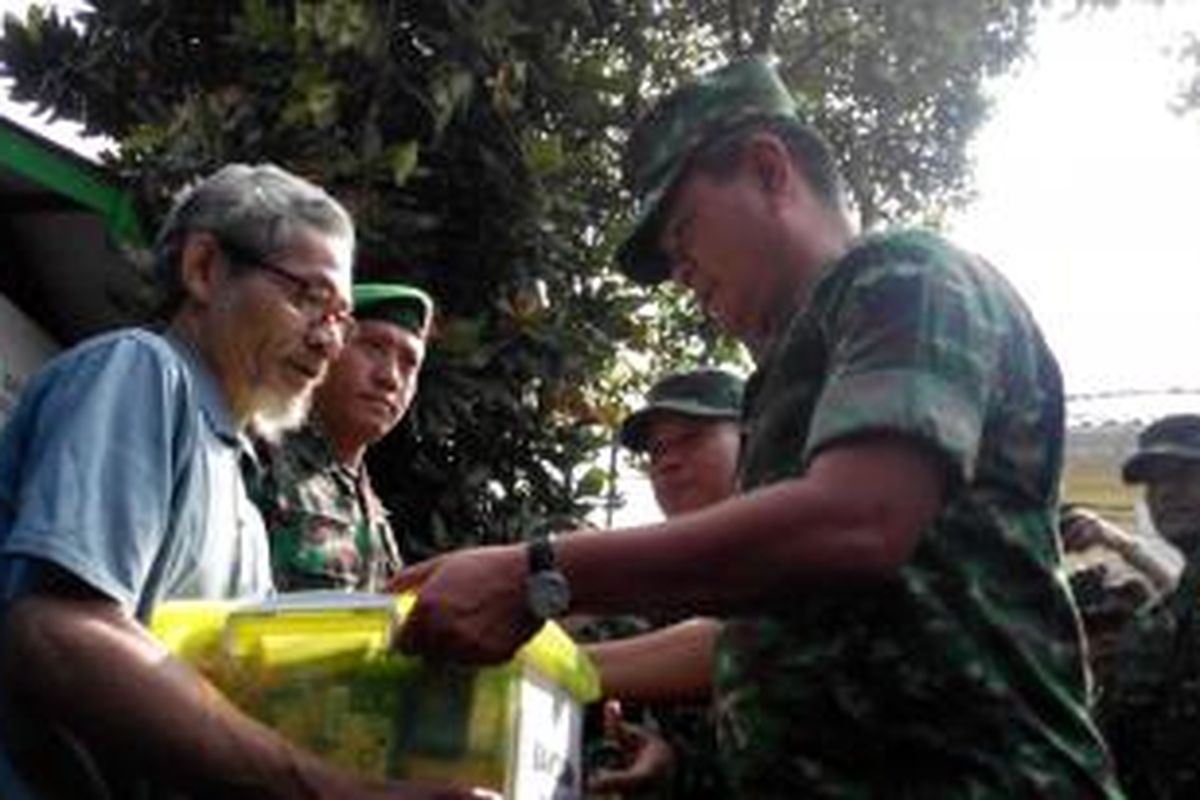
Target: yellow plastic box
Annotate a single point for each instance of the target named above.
(319, 668)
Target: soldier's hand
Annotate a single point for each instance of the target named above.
(470, 606)
(649, 761)
(1082, 529)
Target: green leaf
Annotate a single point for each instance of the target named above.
(402, 160)
(261, 24)
(544, 154)
(461, 336)
(593, 483)
(450, 89)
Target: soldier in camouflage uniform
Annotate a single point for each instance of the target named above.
(328, 528)
(1150, 708)
(1114, 576)
(896, 622)
(689, 430)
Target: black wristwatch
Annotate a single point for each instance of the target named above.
(547, 591)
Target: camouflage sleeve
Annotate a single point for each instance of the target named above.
(1129, 699)
(913, 351)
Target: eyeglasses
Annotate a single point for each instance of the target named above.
(314, 300)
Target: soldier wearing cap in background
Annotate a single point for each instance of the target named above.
(1167, 464)
(328, 528)
(1150, 708)
(1116, 575)
(689, 430)
(895, 621)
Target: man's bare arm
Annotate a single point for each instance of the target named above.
(855, 516)
(667, 665)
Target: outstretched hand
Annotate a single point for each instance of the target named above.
(471, 606)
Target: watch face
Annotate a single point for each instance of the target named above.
(549, 595)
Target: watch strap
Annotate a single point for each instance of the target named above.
(540, 553)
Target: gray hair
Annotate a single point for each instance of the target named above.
(253, 210)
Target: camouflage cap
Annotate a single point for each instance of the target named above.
(397, 303)
(1172, 438)
(707, 393)
(666, 137)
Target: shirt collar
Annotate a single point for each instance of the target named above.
(312, 445)
(208, 393)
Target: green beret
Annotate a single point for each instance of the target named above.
(405, 306)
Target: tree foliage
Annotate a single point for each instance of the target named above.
(1188, 101)
(477, 143)
(1186, 49)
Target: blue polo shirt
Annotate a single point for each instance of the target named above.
(120, 466)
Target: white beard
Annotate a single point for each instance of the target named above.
(276, 416)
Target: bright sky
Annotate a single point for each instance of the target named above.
(1088, 196)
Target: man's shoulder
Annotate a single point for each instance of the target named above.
(125, 344)
(116, 364)
(914, 265)
(908, 251)
(902, 245)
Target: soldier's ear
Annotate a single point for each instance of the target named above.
(770, 163)
(201, 266)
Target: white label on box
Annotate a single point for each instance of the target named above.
(549, 730)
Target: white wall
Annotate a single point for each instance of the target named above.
(24, 347)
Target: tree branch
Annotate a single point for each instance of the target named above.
(761, 42)
(735, 28)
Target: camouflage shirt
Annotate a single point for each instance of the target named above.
(328, 528)
(1149, 709)
(963, 676)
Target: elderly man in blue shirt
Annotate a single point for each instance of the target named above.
(120, 488)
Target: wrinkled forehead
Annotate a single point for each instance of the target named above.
(342, 248)
(334, 249)
(320, 255)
